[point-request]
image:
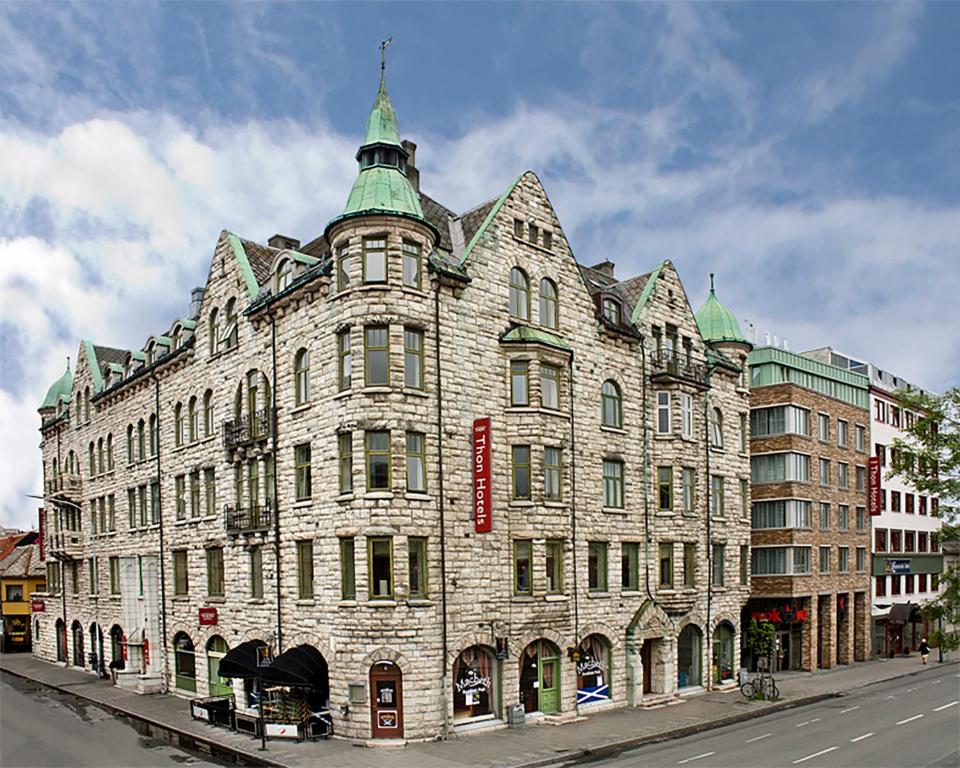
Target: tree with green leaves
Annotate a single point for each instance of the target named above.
(929, 460)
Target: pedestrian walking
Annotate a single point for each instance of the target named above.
(924, 650)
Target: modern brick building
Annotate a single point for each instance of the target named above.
(464, 470)
(810, 437)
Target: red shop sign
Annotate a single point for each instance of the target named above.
(38, 606)
(873, 486)
(208, 617)
(482, 499)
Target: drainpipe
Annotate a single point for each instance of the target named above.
(573, 518)
(646, 505)
(162, 556)
(709, 631)
(444, 679)
(276, 497)
(63, 565)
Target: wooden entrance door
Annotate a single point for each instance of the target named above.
(646, 659)
(549, 685)
(386, 701)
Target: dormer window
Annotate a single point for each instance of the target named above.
(611, 311)
(284, 274)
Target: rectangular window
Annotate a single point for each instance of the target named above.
(894, 585)
(547, 239)
(180, 486)
(142, 503)
(305, 569)
(376, 350)
(522, 555)
(894, 501)
(416, 462)
(111, 513)
(344, 360)
(181, 583)
(861, 519)
(613, 484)
(550, 386)
(744, 439)
(843, 473)
(781, 513)
(843, 559)
(519, 382)
(909, 541)
(861, 478)
(518, 228)
(348, 569)
(215, 581)
(413, 358)
(824, 516)
(775, 561)
(663, 413)
(238, 483)
(75, 576)
(686, 415)
(717, 505)
(843, 433)
(719, 553)
(921, 582)
(744, 498)
(345, 461)
(210, 491)
(630, 566)
(896, 541)
(195, 493)
(256, 572)
(380, 557)
(780, 420)
(825, 559)
(689, 490)
(880, 587)
(552, 479)
(823, 421)
(375, 259)
(860, 438)
(114, 575)
(521, 471)
(780, 467)
(843, 517)
(689, 565)
(554, 567)
(908, 497)
(597, 566)
(861, 559)
(801, 559)
(533, 233)
(417, 566)
(378, 461)
(744, 564)
(665, 487)
(921, 541)
(824, 472)
(343, 268)
(666, 566)
(132, 507)
(304, 479)
(411, 264)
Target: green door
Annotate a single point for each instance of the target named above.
(549, 685)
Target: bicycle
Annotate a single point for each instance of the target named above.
(761, 687)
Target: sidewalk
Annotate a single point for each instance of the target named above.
(534, 745)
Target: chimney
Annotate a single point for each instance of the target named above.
(786, 345)
(605, 268)
(196, 296)
(284, 243)
(766, 338)
(775, 342)
(412, 173)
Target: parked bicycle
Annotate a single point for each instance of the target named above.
(762, 687)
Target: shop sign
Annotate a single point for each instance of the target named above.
(589, 666)
(208, 617)
(481, 476)
(38, 606)
(897, 566)
(387, 718)
(873, 486)
(787, 614)
(471, 682)
(282, 730)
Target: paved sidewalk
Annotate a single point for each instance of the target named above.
(534, 745)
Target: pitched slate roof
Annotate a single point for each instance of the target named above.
(260, 258)
(440, 216)
(22, 562)
(107, 355)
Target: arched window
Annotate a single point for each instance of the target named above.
(284, 274)
(101, 466)
(185, 663)
(141, 440)
(716, 428)
(92, 458)
(723, 653)
(116, 643)
(474, 684)
(612, 410)
(689, 656)
(178, 425)
(208, 413)
(77, 632)
(193, 419)
(153, 434)
(129, 443)
(216, 650)
(519, 294)
(86, 404)
(110, 451)
(611, 311)
(593, 670)
(548, 303)
(213, 331)
(301, 373)
(230, 325)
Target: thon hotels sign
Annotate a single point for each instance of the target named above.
(873, 486)
(481, 475)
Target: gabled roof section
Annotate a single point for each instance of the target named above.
(246, 261)
(648, 286)
(96, 375)
(440, 216)
(488, 218)
(23, 562)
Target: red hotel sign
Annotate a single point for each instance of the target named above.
(208, 617)
(482, 520)
(873, 486)
(38, 606)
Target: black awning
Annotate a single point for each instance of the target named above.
(900, 613)
(242, 660)
(300, 666)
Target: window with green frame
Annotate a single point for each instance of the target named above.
(522, 555)
(305, 569)
(597, 566)
(253, 483)
(377, 446)
(180, 489)
(376, 355)
(380, 560)
(256, 572)
(689, 565)
(215, 580)
(744, 564)
(665, 488)
(416, 459)
(689, 479)
(716, 495)
(413, 358)
(304, 480)
(238, 483)
(348, 569)
(611, 413)
(195, 493)
(344, 360)
(181, 579)
(552, 474)
(521, 471)
(630, 566)
(345, 461)
(301, 377)
(717, 565)
(411, 264)
(343, 268)
(210, 491)
(519, 382)
(744, 498)
(114, 575)
(519, 294)
(666, 566)
(375, 259)
(613, 483)
(417, 566)
(554, 567)
(550, 387)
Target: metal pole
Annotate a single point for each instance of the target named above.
(263, 730)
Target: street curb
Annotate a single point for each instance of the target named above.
(212, 746)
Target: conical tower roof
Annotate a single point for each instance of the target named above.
(717, 323)
(382, 126)
(62, 387)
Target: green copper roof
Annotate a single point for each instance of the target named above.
(383, 189)
(716, 322)
(645, 293)
(93, 364)
(62, 387)
(382, 126)
(528, 334)
(491, 215)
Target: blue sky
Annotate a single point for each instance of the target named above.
(805, 152)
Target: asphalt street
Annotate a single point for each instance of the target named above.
(41, 727)
(911, 721)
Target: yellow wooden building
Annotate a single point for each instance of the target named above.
(21, 574)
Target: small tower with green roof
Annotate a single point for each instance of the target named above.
(720, 329)
(59, 391)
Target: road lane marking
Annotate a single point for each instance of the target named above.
(849, 709)
(807, 722)
(815, 754)
(698, 757)
(758, 738)
(909, 719)
(936, 682)
(861, 738)
(951, 704)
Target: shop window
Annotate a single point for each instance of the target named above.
(593, 670)
(723, 653)
(474, 685)
(185, 664)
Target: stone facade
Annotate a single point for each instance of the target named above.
(566, 591)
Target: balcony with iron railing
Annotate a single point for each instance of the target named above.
(239, 520)
(247, 430)
(68, 485)
(669, 363)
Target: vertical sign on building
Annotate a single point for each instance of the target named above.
(873, 486)
(482, 520)
(41, 527)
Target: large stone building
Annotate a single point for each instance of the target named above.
(810, 441)
(305, 459)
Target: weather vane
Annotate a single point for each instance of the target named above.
(383, 53)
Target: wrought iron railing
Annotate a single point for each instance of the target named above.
(671, 363)
(251, 428)
(248, 519)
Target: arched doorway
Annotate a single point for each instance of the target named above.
(116, 643)
(61, 630)
(474, 685)
(216, 650)
(689, 656)
(386, 711)
(77, 631)
(540, 677)
(723, 652)
(593, 669)
(96, 646)
(185, 663)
